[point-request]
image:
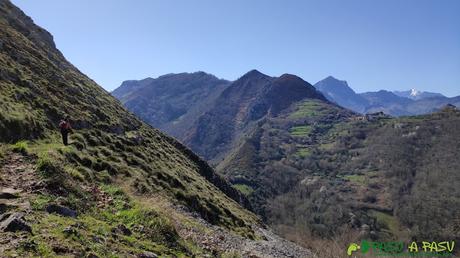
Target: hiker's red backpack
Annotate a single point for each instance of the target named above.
(64, 125)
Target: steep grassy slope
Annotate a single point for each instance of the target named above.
(171, 102)
(113, 162)
(38, 85)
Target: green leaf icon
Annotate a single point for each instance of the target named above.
(351, 248)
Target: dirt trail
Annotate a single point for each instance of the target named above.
(17, 173)
(270, 246)
(215, 238)
(18, 181)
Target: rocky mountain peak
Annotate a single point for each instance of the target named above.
(252, 74)
(18, 20)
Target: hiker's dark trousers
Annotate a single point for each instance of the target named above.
(65, 134)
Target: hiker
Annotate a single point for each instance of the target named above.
(65, 127)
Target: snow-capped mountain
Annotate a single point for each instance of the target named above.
(395, 103)
(417, 94)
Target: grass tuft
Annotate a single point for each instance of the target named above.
(21, 147)
(39, 202)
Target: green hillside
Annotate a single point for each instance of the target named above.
(316, 171)
(271, 160)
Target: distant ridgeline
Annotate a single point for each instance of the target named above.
(396, 103)
(311, 167)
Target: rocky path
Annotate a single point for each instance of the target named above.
(270, 245)
(18, 181)
(17, 172)
(274, 246)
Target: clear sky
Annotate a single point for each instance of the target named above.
(378, 44)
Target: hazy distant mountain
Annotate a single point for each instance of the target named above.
(338, 91)
(397, 103)
(416, 94)
(128, 87)
(387, 102)
(383, 97)
(172, 99)
(429, 105)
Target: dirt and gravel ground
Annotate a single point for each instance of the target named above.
(270, 245)
(17, 183)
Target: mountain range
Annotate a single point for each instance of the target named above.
(396, 103)
(314, 169)
(416, 94)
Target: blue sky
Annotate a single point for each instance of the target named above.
(378, 44)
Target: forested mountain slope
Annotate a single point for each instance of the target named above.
(238, 109)
(316, 170)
